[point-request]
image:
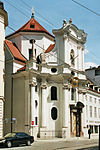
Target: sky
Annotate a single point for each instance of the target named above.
(51, 13)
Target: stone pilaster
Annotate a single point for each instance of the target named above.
(66, 112)
(32, 95)
(44, 103)
(43, 129)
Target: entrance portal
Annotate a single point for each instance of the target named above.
(75, 119)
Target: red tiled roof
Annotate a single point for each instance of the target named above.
(15, 52)
(21, 69)
(50, 48)
(36, 27)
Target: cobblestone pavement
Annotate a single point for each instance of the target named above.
(60, 144)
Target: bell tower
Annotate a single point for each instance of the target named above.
(70, 45)
(3, 24)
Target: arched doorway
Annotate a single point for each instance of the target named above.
(76, 119)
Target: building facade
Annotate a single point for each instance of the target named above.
(93, 100)
(46, 82)
(3, 24)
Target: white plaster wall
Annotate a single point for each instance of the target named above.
(19, 103)
(8, 93)
(16, 66)
(2, 38)
(55, 125)
(41, 41)
(51, 57)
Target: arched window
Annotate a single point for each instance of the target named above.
(54, 113)
(53, 93)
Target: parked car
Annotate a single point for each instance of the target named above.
(16, 139)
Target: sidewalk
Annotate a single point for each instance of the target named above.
(68, 139)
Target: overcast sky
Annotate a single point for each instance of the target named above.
(51, 13)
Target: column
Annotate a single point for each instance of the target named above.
(65, 121)
(44, 103)
(43, 130)
(32, 96)
(66, 112)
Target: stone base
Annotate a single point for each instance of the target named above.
(43, 132)
(34, 131)
(49, 134)
(65, 132)
(85, 131)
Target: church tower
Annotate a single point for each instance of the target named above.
(70, 45)
(3, 24)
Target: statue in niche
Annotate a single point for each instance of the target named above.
(72, 56)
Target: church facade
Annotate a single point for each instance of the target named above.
(45, 87)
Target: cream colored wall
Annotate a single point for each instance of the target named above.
(8, 94)
(2, 57)
(2, 69)
(19, 104)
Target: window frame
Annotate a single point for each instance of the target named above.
(53, 93)
(52, 117)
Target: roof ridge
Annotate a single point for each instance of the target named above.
(36, 28)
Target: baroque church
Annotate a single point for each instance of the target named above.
(45, 83)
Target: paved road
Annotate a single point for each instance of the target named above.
(59, 144)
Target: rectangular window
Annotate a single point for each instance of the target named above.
(87, 110)
(90, 99)
(36, 120)
(30, 54)
(95, 112)
(90, 111)
(96, 129)
(91, 128)
(97, 72)
(94, 100)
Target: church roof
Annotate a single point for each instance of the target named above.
(32, 26)
(50, 48)
(14, 51)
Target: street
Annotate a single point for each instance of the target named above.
(60, 144)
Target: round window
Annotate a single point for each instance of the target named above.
(53, 70)
(54, 113)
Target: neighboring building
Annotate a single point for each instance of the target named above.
(93, 99)
(3, 24)
(45, 81)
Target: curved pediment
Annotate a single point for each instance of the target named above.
(72, 31)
